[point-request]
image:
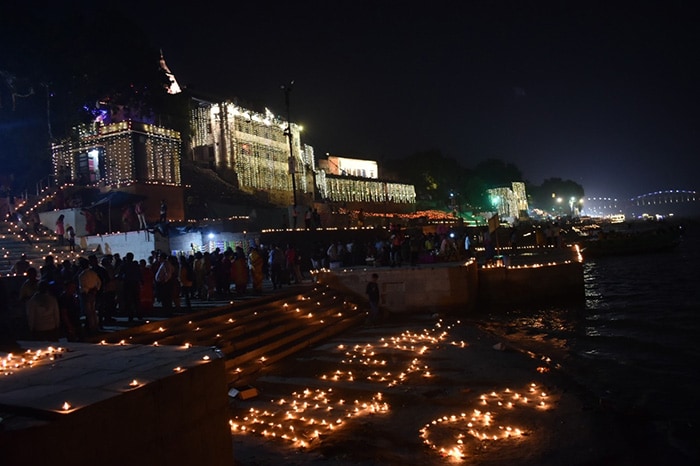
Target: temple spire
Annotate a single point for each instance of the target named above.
(174, 87)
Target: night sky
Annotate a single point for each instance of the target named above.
(601, 93)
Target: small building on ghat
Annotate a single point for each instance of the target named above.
(128, 156)
(356, 183)
(510, 203)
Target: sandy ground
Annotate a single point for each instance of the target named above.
(423, 390)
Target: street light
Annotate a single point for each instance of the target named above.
(292, 162)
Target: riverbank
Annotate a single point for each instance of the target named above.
(423, 390)
(404, 391)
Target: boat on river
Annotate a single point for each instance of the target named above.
(630, 239)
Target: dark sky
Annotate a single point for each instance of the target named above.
(602, 93)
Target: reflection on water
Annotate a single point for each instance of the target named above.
(633, 343)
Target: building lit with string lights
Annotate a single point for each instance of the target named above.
(120, 153)
(357, 181)
(254, 147)
(262, 154)
(129, 156)
(510, 202)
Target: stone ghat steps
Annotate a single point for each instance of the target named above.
(13, 244)
(254, 334)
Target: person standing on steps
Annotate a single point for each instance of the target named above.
(89, 284)
(372, 292)
(256, 262)
(130, 274)
(60, 229)
(140, 215)
(70, 231)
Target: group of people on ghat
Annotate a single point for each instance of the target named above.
(398, 248)
(78, 298)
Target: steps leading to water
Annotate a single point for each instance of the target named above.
(252, 335)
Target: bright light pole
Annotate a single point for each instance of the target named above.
(292, 162)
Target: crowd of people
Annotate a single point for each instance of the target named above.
(398, 248)
(88, 293)
(77, 298)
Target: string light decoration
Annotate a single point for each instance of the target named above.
(352, 189)
(251, 144)
(121, 153)
(256, 148)
(510, 201)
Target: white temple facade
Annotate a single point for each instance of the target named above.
(252, 145)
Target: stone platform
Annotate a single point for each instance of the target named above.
(114, 405)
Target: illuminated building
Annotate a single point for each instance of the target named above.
(129, 156)
(253, 146)
(509, 202)
(342, 179)
(119, 154)
(343, 166)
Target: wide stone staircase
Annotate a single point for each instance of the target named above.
(254, 334)
(17, 237)
(15, 241)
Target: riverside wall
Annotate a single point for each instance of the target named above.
(412, 289)
(464, 288)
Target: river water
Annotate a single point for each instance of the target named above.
(633, 345)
